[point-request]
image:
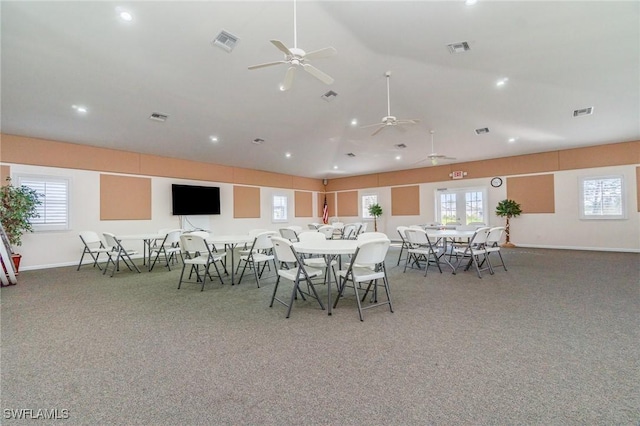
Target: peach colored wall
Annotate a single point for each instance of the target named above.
(638, 186)
(600, 156)
(246, 202)
(125, 198)
(303, 204)
(42, 152)
(535, 194)
(405, 200)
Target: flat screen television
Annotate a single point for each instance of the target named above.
(195, 200)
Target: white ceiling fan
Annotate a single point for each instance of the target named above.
(390, 120)
(434, 157)
(296, 57)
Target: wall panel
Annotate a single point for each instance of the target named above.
(307, 184)
(353, 182)
(405, 200)
(535, 194)
(125, 198)
(260, 178)
(246, 202)
(599, 156)
(348, 204)
(184, 169)
(303, 204)
(420, 175)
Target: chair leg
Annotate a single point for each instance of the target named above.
(275, 289)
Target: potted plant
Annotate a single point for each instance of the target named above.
(376, 211)
(508, 208)
(18, 204)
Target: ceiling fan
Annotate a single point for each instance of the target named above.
(435, 157)
(296, 57)
(389, 120)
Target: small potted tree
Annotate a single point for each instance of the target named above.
(376, 211)
(508, 208)
(18, 205)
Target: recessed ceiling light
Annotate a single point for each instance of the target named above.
(288, 155)
(502, 82)
(512, 139)
(354, 122)
(398, 157)
(213, 138)
(470, 2)
(79, 108)
(124, 14)
(335, 167)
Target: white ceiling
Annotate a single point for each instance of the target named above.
(558, 56)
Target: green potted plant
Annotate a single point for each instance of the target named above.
(376, 211)
(508, 208)
(18, 205)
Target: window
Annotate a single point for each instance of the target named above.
(279, 208)
(602, 198)
(54, 194)
(464, 205)
(368, 200)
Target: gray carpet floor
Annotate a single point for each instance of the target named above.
(553, 340)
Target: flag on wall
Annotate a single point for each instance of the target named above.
(325, 212)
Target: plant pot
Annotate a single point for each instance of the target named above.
(508, 245)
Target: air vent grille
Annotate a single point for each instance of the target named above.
(400, 146)
(583, 111)
(258, 141)
(460, 47)
(329, 96)
(351, 154)
(225, 41)
(158, 116)
(482, 131)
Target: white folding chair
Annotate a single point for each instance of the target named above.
(169, 248)
(317, 262)
(196, 253)
(291, 267)
(492, 245)
(369, 252)
(119, 252)
(474, 252)
(421, 250)
(327, 231)
(259, 253)
(93, 246)
(404, 244)
(289, 234)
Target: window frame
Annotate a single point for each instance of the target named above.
(461, 192)
(273, 208)
(19, 179)
(582, 204)
(365, 212)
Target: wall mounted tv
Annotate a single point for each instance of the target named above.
(195, 200)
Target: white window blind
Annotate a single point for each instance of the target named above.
(602, 198)
(54, 194)
(368, 200)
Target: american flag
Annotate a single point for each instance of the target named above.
(325, 212)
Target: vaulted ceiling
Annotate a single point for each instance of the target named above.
(556, 57)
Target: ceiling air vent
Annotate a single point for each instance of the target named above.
(482, 131)
(329, 96)
(400, 146)
(158, 116)
(583, 111)
(225, 41)
(351, 154)
(258, 141)
(461, 47)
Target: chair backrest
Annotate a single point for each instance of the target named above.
(173, 237)
(480, 237)
(337, 224)
(283, 249)
(295, 228)
(192, 243)
(311, 236)
(417, 236)
(363, 228)
(371, 252)
(254, 232)
(203, 234)
(495, 235)
(327, 230)
(401, 231)
(313, 225)
(372, 236)
(263, 240)
(90, 238)
(349, 231)
(111, 240)
(289, 234)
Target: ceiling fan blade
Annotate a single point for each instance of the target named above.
(288, 78)
(321, 53)
(378, 131)
(325, 78)
(372, 125)
(268, 64)
(280, 45)
(408, 121)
